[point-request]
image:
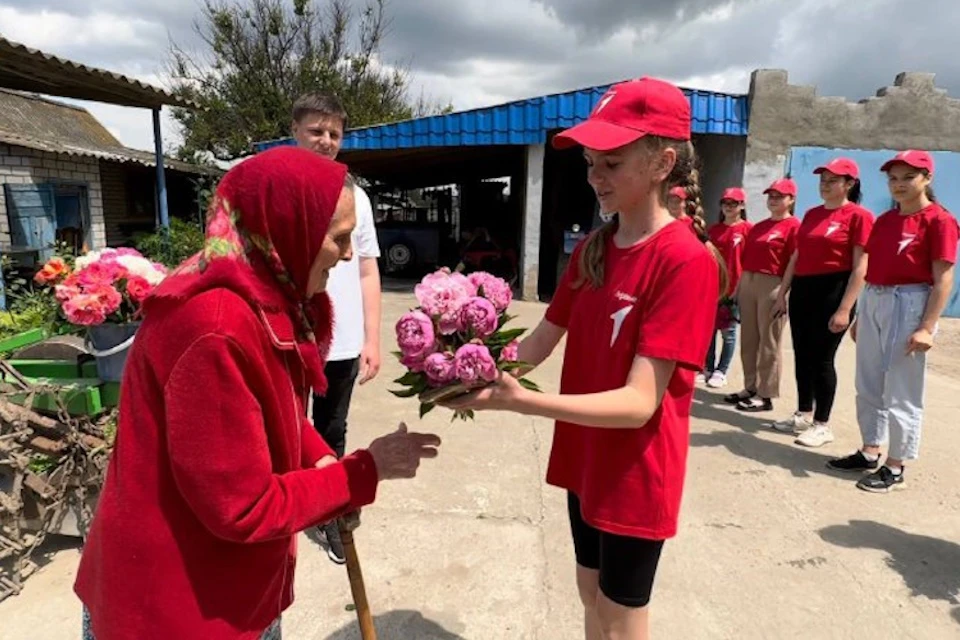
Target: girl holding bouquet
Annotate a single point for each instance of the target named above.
(638, 303)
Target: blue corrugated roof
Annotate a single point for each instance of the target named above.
(528, 121)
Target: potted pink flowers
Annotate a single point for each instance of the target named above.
(455, 340)
(103, 294)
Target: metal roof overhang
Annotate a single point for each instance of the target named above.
(27, 69)
(434, 166)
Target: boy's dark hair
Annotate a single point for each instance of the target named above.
(325, 104)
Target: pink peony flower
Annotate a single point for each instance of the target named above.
(138, 288)
(84, 309)
(441, 368)
(107, 295)
(479, 316)
(413, 363)
(511, 352)
(441, 294)
(415, 335)
(475, 364)
(494, 289)
(101, 272)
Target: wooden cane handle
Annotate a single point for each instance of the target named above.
(364, 617)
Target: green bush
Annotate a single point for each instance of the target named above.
(185, 239)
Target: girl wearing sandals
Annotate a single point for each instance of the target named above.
(637, 303)
(913, 249)
(824, 278)
(728, 237)
(766, 252)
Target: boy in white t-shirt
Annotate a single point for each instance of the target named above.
(319, 121)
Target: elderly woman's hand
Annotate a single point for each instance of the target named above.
(398, 454)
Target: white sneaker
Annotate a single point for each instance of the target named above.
(797, 423)
(816, 436)
(701, 378)
(718, 380)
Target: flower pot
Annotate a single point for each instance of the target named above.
(110, 344)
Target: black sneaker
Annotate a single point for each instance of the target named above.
(755, 405)
(739, 396)
(854, 462)
(334, 544)
(882, 481)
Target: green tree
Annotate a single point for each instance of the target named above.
(258, 56)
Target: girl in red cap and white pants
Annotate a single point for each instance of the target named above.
(766, 252)
(637, 303)
(913, 249)
(728, 236)
(824, 278)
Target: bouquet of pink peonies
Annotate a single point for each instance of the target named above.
(455, 341)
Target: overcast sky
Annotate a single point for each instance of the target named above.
(481, 52)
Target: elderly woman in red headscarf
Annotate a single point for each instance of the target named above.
(215, 468)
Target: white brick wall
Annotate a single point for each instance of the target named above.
(19, 165)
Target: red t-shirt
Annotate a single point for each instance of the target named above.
(827, 237)
(730, 240)
(903, 249)
(769, 246)
(659, 300)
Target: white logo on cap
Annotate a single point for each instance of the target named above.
(604, 101)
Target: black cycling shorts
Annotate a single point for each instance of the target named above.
(627, 565)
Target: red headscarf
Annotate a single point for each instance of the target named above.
(265, 228)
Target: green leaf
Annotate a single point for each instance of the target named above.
(405, 393)
(410, 378)
(426, 408)
(504, 319)
(398, 354)
(504, 338)
(529, 384)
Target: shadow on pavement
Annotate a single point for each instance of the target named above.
(710, 406)
(930, 567)
(399, 625)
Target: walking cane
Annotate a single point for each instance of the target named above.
(364, 617)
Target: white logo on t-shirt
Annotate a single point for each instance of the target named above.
(618, 319)
(773, 236)
(833, 228)
(737, 240)
(905, 242)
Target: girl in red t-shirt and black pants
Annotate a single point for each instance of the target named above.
(766, 252)
(913, 249)
(728, 236)
(824, 278)
(637, 302)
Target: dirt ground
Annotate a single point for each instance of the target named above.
(944, 358)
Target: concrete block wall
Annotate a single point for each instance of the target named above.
(912, 113)
(19, 165)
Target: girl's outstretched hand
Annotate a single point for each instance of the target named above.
(504, 394)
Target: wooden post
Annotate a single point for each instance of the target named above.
(364, 617)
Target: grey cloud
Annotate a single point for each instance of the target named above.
(602, 17)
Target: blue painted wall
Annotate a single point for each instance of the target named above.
(876, 196)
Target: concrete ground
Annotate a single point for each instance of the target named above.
(772, 545)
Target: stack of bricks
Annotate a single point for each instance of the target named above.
(19, 165)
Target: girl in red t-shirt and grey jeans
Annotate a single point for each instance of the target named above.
(638, 304)
(912, 249)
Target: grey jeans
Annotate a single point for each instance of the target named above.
(272, 632)
(890, 383)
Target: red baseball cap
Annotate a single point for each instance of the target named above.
(913, 158)
(734, 193)
(629, 111)
(841, 167)
(679, 192)
(783, 186)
